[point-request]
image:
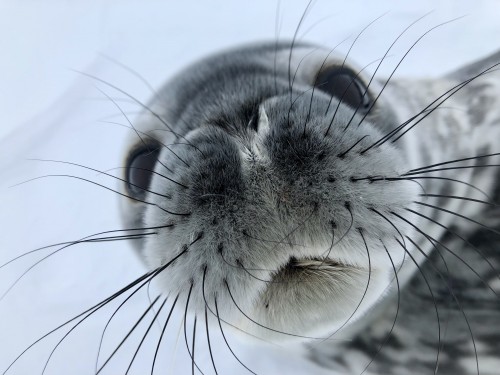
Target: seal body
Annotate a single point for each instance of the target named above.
(296, 199)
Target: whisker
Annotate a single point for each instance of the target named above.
(388, 336)
(460, 198)
(194, 341)
(147, 276)
(455, 299)
(208, 341)
(104, 187)
(131, 71)
(225, 339)
(459, 87)
(110, 175)
(433, 241)
(459, 215)
(294, 40)
(191, 353)
(262, 325)
(38, 262)
(449, 230)
(123, 114)
(111, 318)
(85, 239)
(455, 161)
(427, 110)
(144, 106)
(451, 169)
(437, 178)
(390, 76)
(432, 296)
(127, 336)
(360, 230)
(162, 333)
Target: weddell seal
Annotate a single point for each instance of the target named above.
(280, 193)
(293, 196)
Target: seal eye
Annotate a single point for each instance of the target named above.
(139, 170)
(345, 85)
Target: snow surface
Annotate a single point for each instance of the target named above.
(51, 111)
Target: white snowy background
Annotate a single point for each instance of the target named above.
(50, 111)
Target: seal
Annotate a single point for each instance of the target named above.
(280, 193)
(291, 193)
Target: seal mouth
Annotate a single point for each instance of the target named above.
(302, 269)
(312, 295)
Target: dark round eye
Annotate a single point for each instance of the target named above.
(139, 170)
(346, 87)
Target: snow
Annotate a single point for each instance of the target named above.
(51, 111)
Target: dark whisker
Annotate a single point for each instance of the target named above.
(162, 333)
(128, 335)
(213, 313)
(190, 352)
(194, 341)
(111, 318)
(343, 154)
(389, 334)
(87, 239)
(451, 169)
(333, 225)
(110, 175)
(144, 106)
(427, 110)
(341, 99)
(432, 296)
(124, 115)
(277, 29)
(104, 187)
(387, 80)
(393, 71)
(262, 325)
(459, 215)
(225, 339)
(434, 241)
(131, 71)
(294, 40)
(449, 230)
(437, 178)
(38, 262)
(460, 198)
(458, 88)
(208, 341)
(455, 161)
(360, 230)
(144, 279)
(447, 282)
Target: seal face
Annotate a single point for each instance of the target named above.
(264, 177)
(290, 193)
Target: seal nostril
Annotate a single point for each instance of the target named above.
(331, 179)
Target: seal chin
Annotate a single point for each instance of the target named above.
(308, 297)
